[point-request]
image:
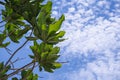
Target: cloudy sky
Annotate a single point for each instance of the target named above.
(93, 40)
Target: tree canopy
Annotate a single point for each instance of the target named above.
(31, 17)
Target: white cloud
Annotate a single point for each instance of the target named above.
(92, 29)
(72, 9)
(55, 12)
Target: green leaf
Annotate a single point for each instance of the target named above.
(30, 77)
(41, 20)
(44, 14)
(43, 27)
(48, 67)
(12, 31)
(57, 65)
(56, 26)
(52, 57)
(14, 78)
(47, 8)
(23, 73)
(35, 77)
(31, 56)
(55, 41)
(44, 56)
(31, 38)
(40, 68)
(60, 34)
(55, 50)
(1, 66)
(22, 32)
(4, 45)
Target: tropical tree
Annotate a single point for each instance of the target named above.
(31, 20)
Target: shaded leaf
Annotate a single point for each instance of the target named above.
(15, 78)
(31, 38)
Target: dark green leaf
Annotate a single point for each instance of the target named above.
(15, 78)
(31, 38)
(4, 45)
(40, 68)
(31, 56)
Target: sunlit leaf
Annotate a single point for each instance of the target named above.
(57, 65)
(56, 26)
(60, 34)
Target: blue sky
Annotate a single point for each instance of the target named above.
(93, 40)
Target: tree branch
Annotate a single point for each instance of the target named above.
(8, 50)
(22, 68)
(15, 53)
(30, 71)
(18, 70)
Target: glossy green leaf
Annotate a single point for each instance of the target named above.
(47, 8)
(52, 57)
(44, 55)
(60, 34)
(55, 50)
(57, 65)
(56, 26)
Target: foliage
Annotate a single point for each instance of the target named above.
(33, 18)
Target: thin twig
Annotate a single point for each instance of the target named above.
(30, 71)
(18, 59)
(17, 71)
(8, 51)
(64, 62)
(12, 64)
(14, 69)
(17, 51)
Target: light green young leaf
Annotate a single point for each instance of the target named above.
(55, 50)
(60, 34)
(56, 26)
(57, 65)
(47, 8)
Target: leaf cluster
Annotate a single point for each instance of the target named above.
(22, 16)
